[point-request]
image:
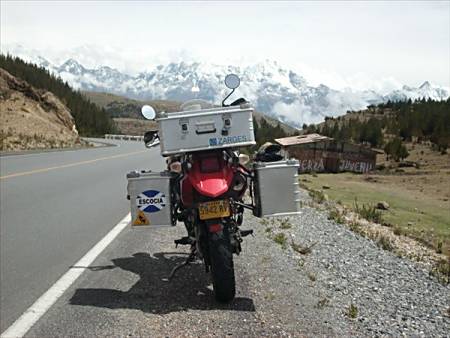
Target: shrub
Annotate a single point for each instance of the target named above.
(396, 150)
(369, 212)
(336, 216)
(317, 196)
(352, 311)
(355, 227)
(281, 239)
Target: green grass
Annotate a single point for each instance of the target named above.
(280, 238)
(369, 212)
(352, 311)
(418, 217)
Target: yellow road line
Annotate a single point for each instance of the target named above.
(68, 165)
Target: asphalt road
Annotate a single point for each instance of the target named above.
(56, 206)
(53, 208)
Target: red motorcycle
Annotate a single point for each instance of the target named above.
(207, 185)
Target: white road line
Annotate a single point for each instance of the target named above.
(21, 326)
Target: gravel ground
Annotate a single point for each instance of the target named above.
(392, 296)
(279, 291)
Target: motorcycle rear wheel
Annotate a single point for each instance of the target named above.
(222, 267)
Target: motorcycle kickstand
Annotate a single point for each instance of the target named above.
(188, 260)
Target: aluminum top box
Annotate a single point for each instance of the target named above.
(215, 128)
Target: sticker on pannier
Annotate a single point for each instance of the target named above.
(151, 201)
(141, 219)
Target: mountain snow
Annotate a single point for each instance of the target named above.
(272, 89)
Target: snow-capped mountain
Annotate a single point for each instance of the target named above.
(271, 88)
(426, 90)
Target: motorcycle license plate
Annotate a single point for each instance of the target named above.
(214, 209)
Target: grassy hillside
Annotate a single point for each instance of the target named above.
(90, 119)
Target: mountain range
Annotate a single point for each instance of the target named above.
(270, 87)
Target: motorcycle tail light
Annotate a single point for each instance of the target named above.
(215, 228)
(175, 167)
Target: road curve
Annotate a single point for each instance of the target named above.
(53, 208)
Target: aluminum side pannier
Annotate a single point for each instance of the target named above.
(276, 188)
(150, 199)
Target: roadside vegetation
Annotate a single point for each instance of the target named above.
(394, 207)
(422, 217)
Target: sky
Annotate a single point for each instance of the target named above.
(342, 44)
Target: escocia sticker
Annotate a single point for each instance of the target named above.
(151, 201)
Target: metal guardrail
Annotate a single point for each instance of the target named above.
(124, 137)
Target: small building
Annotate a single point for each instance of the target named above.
(320, 153)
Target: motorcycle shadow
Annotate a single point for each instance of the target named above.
(187, 290)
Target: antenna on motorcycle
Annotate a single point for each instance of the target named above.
(232, 81)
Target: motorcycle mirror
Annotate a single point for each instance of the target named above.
(148, 112)
(232, 81)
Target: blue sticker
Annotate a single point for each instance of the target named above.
(151, 201)
(218, 141)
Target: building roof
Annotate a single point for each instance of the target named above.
(302, 139)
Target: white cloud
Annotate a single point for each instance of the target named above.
(296, 112)
(342, 43)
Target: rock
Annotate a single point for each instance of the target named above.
(383, 205)
(326, 187)
(410, 224)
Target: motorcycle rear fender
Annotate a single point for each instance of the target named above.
(211, 184)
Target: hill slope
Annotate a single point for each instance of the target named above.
(90, 120)
(420, 120)
(31, 118)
